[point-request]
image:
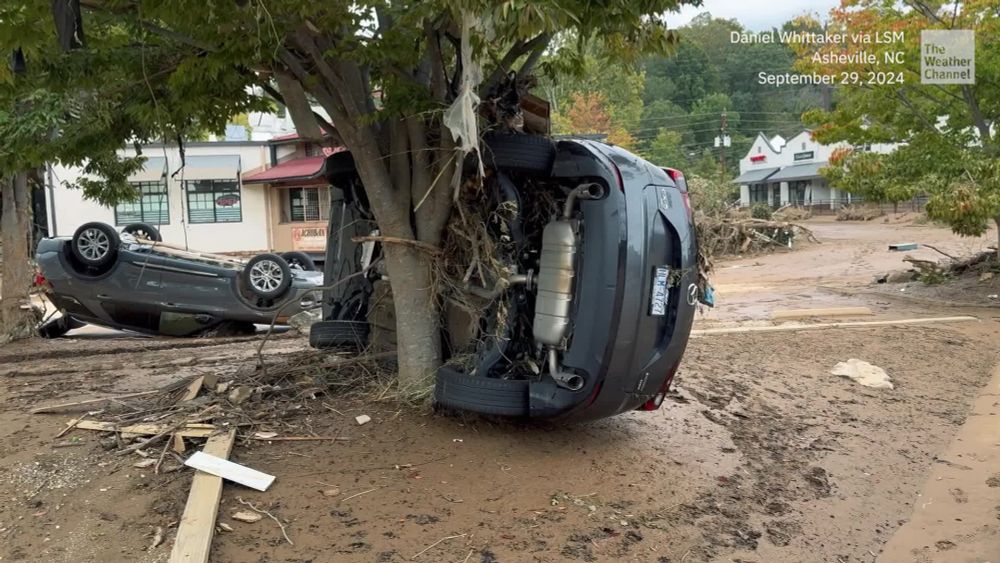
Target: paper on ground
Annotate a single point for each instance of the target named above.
(230, 471)
(864, 373)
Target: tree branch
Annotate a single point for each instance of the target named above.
(517, 51)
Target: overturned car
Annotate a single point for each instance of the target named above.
(133, 281)
(587, 305)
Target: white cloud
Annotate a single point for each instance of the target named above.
(756, 15)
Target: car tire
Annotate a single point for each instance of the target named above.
(485, 395)
(95, 245)
(267, 275)
(511, 152)
(299, 260)
(348, 335)
(144, 230)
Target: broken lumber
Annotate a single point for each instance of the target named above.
(89, 402)
(207, 381)
(197, 526)
(831, 312)
(191, 430)
(820, 326)
(230, 471)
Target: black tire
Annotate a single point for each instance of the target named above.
(526, 154)
(95, 245)
(299, 260)
(144, 230)
(347, 335)
(485, 395)
(267, 276)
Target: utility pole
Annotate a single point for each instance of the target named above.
(723, 141)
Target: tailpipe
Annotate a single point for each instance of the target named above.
(583, 191)
(570, 381)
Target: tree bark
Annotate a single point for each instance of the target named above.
(15, 225)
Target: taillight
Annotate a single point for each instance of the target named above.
(39, 280)
(686, 198)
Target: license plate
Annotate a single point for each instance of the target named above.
(658, 301)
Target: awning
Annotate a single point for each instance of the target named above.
(754, 176)
(211, 167)
(798, 172)
(307, 168)
(153, 170)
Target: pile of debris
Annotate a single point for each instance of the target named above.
(984, 264)
(729, 234)
(160, 427)
(859, 213)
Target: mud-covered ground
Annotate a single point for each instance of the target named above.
(760, 455)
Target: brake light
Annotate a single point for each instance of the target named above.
(686, 198)
(39, 280)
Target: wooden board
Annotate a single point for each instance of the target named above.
(197, 526)
(187, 431)
(230, 471)
(835, 312)
(818, 326)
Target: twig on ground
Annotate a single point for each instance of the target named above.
(163, 453)
(938, 250)
(422, 551)
(359, 494)
(268, 514)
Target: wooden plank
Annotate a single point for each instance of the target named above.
(202, 381)
(89, 402)
(178, 444)
(820, 326)
(230, 471)
(187, 431)
(197, 526)
(832, 312)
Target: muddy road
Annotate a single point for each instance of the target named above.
(759, 455)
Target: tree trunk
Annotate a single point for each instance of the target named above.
(414, 297)
(15, 225)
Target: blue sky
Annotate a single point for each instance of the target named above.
(757, 15)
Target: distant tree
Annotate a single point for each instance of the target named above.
(667, 149)
(951, 148)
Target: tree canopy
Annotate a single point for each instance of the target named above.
(948, 132)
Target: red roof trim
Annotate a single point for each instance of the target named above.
(297, 169)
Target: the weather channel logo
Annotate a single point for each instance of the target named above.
(947, 56)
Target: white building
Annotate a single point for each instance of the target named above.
(778, 172)
(242, 197)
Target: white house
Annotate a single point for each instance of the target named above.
(778, 172)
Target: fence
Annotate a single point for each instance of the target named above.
(830, 206)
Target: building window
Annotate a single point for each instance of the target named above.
(213, 201)
(758, 193)
(152, 206)
(306, 204)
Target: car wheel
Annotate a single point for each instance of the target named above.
(267, 275)
(486, 395)
(510, 152)
(144, 231)
(95, 244)
(299, 260)
(350, 335)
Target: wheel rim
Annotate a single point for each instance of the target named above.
(93, 244)
(141, 233)
(295, 264)
(266, 276)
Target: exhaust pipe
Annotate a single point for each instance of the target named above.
(583, 191)
(570, 381)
